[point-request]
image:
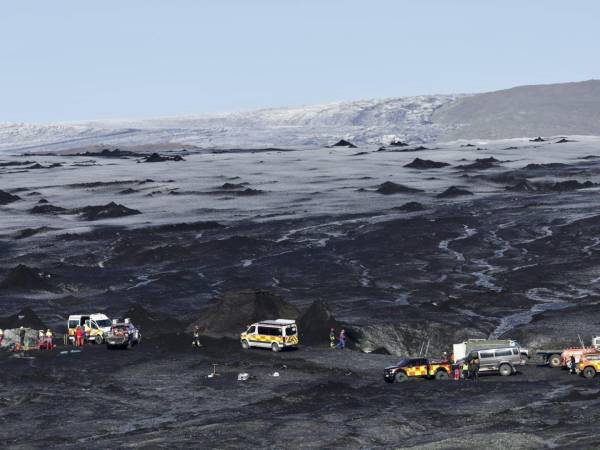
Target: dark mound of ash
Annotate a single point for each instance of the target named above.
(523, 186)
(127, 191)
(151, 324)
(480, 164)
(419, 163)
(47, 209)
(316, 322)
(39, 166)
(234, 311)
(24, 278)
(571, 185)
(467, 145)
(537, 139)
(590, 157)
(390, 187)
(237, 189)
(395, 143)
(15, 163)
(360, 153)
(343, 143)
(26, 318)
(6, 198)
(411, 207)
(454, 191)
(109, 211)
(155, 157)
(231, 186)
(28, 232)
(107, 153)
(564, 141)
(193, 226)
(546, 166)
(42, 201)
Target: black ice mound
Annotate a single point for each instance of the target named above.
(47, 209)
(419, 163)
(26, 318)
(395, 143)
(234, 311)
(155, 157)
(107, 153)
(316, 322)
(6, 198)
(523, 186)
(537, 139)
(564, 141)
(480, 164)
(151, 324)
(390, 187)
(454, 191)
(343, 143)
(411, 207)
(109, 211)
(24, 278)
(571, 185)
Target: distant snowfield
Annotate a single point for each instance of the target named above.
(525, 111)
(366, 122)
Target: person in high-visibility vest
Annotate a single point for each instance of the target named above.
(1, 335)
(196, 340)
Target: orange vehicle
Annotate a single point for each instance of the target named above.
(578, 353)
(417, 367)
(589, 365)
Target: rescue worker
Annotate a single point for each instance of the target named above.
(21, 338)
(476, 368)
(79, 336)
(196, 340)
(457, 372)
(573, 368)
(342, 340)
(332, 338)
(41, 339)
(1, 335)
(49, 343)
(465, 370)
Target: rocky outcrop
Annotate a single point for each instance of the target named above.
(390, 187)
(423, 164)
(234, 311)
(454, 191)
(109, 211)
(6, 198)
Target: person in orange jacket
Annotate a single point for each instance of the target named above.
(79, 337)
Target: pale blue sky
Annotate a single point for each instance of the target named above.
(75, 60)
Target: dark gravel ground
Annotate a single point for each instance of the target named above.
(158, 395)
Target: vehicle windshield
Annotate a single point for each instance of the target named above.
(103, 323)
(404, 362)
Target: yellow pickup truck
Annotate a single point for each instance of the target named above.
(589, 365)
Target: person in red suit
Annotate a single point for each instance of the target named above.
(79, 337)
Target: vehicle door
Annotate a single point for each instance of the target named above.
(487, 360)
(506, 355)
(263, 336)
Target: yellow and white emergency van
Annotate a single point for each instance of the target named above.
(273, 334)
(95, 326)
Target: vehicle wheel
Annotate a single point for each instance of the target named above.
(505, 370)
(589, 372)
(554, 361)
(442, 375)
(275, 347)
(99, 340)
(245, 344)
(400, 377)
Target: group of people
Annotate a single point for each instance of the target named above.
(341, 339)
(45, 339)
(467, 370)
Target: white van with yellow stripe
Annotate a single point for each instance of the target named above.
(273, 334)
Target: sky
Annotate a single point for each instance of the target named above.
(77, 60)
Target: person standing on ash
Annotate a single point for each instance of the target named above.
(196, 340)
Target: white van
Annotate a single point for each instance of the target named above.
(96, 326)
